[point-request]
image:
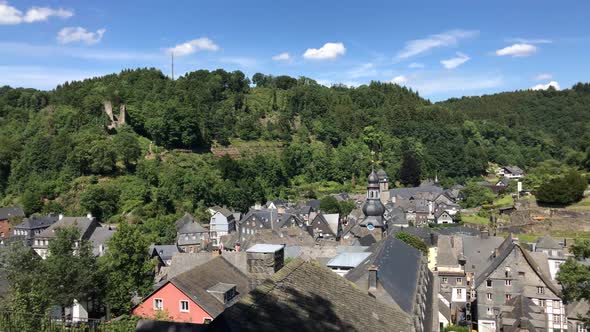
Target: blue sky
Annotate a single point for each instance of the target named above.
(439, 48)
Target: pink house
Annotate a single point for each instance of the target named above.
(198, 295)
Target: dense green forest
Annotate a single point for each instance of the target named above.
(57, 153)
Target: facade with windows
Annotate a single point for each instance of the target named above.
(512, 273)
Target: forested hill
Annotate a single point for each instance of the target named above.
(58, 154)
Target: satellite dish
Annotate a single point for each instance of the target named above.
(370, 227)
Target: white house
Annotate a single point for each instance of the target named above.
(222, 222)
(511, 172)
(443, 217)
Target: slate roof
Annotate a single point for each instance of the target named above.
(224, 211)
(10, 212)
(195, 283)
(576, 309)
(504, 250)
(305, 297)
(100, 236)
(449, 250)
(389, 255)
(265, 248)
(514, 170)
(164, 251)
(547, 242)
(82, 223)
(521, 307)
(148, 325)
(35, 222)
(458, 230)
(478, 252)
(185, 219)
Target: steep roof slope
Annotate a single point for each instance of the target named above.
(304, 296)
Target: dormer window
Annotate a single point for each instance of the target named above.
(489, 283)
(223, 292)
(540, 290)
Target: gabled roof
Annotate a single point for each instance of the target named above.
(185, 219)
(304, 297)
(195, 283)
(82, 223)
(514, 170)
(504, 250)
(164, 251)
(11, 212)
(332, 220)
(34, 222)
(224, 211)
(390, 255)
(547, 242)
(192, 227)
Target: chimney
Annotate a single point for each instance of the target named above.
(373, 277)
(237, 247)
(485, 234)
(496, 252)
(60, 217)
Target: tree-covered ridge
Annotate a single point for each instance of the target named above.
(58, 154)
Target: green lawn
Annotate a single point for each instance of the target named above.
(474, 219)
(583, 205)
(505, 200)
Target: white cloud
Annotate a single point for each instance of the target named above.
(37, 14)
(282, 57)
(529, 41)
(79, 35)
(399, 80)
(448, 38)
(364, 70)
(10, 15)
(416, 65)
(329, 51)
(517, 50)
(192, 46)
(543, 77)
(456, 61)
(553, 84)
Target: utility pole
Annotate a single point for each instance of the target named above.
(172, 65)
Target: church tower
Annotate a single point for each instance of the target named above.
(383, 186)
(373, 209)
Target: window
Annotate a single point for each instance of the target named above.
(489, 311)
(183, 306)
(521, 273)
(555, 304)
(556, 319)
(489, 296)
(459, 292)
(508, 282)
(158, 304)
(206, 320)
(540, 290)
(445, 280)
(508, 297)
(581, 328)
(459, 280)
(489, 283)
(541, 303)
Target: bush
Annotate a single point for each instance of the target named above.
(563, 190)
(413, 241)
